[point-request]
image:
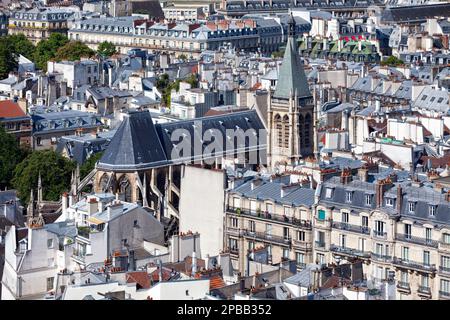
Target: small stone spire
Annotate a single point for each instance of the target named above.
(30, 208)
(40, 198)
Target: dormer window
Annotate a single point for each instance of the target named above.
(389, 202)
(368, 199)
(348, 196)
(432, 210)
(329, 193)
(411, 207)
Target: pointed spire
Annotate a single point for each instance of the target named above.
(30, 208)
(292, 76)
(40, 198)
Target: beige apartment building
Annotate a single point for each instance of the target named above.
(273, 213)
(396, 227)
(400, 227)
(38, 23)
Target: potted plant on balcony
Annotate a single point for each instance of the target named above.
(258, 212)
(238, 211)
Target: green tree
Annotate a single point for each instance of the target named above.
(55, 170)
(89, 164)
(10, 48)
(21, 45)
(182, 57)
(46, 49)
(278, 54)
(8, 61)
(192, 80)
(74, 50)
(392, 62)
(106, 49)
(10, 155)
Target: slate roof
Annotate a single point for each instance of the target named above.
(423, 196)
(292, 76)
(415, 13)
(267, 190)
(139, 144)
(243, 121)
(135, 145)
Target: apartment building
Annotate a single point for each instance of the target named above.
(39, 23)
(394, 226)
(275, 213)
(15, 121)
(185, 37)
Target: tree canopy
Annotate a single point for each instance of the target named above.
(74, 50)
(106, 49)
(10, 48)
(89, 164)
(10, 155)
(392, 62)
(55, 170)
(46, 49)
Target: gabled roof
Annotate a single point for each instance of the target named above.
(292, 76)
(135, 145)
(9, 109)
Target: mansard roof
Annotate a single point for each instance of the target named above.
(135, 145)
(140, 145)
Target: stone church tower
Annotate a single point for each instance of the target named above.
(290, 110)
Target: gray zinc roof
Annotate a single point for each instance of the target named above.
(135, 145)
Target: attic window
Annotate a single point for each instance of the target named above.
(411, 207)
(440, 100)
(424, 97)
(329, 193)
(432, 210)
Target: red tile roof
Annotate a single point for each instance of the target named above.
(9, 109)
(216, 282)
(139, 277)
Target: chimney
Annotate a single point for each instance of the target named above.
(70, 200)
(64, 203)
(363, 173)
(346, 176)
(160, 276)
(92, 206)
(207, 261)
(399, 198)
(241, 284)
(194, 263)
(380, 188)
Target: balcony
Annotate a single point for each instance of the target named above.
(380, 257)
(408, 264)
(424, 291)
(301, 265)
(416, 240)
(379, 234)
(79, 256)
(445, 295)
(271, 217)
(444, 270)
(319, 245)
(302, 245)
(404, 286)
(265, 237)
(234, 231)
(351, 227)
(350, 252)
(444, 246)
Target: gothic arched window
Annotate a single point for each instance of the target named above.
(278, 130)
(307, 130)
(301, 121)
(286, 131)
(124, 189)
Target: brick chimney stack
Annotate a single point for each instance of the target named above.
(399, 198)
(346, 176)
